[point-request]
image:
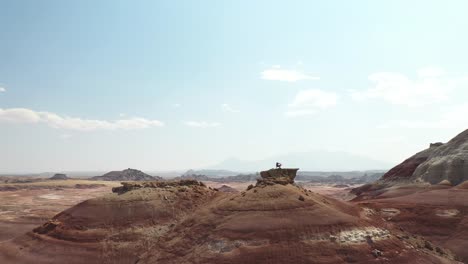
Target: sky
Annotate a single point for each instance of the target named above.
(163, 85)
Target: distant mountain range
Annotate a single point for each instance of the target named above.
(311, 161)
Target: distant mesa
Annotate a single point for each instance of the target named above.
(447, 163)
(59, 176)
(126, 175)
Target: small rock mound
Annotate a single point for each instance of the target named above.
(59, 176)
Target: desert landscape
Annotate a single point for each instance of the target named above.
(233, 132)
(129, 216)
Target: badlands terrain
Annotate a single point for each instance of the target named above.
(186, 221)
(417, 212)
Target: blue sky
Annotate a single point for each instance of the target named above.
(158, 85)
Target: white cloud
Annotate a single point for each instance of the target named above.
(431, 86)
(202, 124)
(2, 89)
(19, 115)
(229, 109)
(23, 115)
(454, 118)
(275, 73)
(309, 102)
(176, 105)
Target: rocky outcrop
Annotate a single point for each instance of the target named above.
(126, 175)
(438, 163)
(277, 176)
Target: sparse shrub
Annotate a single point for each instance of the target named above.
(301, 198)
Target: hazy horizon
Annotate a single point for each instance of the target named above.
(305, 161)
(170, 85)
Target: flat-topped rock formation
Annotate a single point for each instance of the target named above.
(277, 176)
